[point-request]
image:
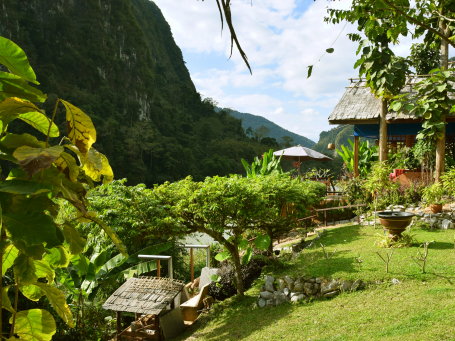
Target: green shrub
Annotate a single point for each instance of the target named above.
(433, 194)
(448, 181)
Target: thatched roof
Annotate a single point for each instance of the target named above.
(144, 295)
(359, 106)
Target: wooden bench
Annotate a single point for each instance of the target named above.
(191, 307)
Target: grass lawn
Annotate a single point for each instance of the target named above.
(420, 307)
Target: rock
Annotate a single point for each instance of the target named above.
(345, 286)
(330, 294)
(298, 286)
(270, 302)
(281, 284)
(358, 284)
(446, 224)
(297, 298)
(395, 281)
(269, 283)
(267, 295)
(329, 286)
(289, 282)
(308, 288)
(262, 303)
(318, 280)
(279, 297)
(293, 234)
(286, 291)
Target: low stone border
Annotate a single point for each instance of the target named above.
(443, 221)
(287, 289)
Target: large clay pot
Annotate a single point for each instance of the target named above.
(436, 208)
(395, 222)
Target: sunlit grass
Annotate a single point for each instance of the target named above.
(420, 307)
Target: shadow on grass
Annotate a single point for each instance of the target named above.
(237, 321)
(340, 235)
(441, 246)
(319, 265)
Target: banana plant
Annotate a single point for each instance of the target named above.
(268, 164)
(367, 155)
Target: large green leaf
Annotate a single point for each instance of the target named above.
(81, 130)
(43, 270)
(222, 256)
(6, 303)
(112, 235)
(34, 325)
(262, 242)
(23, 187)
(40, 122)
(15, 59)
(96, 166)
(12, 108)
(24, 270)
(67, 164)
(81, 263)
(9, 255)
(247, 256)
(14, 86)
(32, 160)
(74, 239)
(14, 141)
(31, 291)
(57, 257)
(111, 264)
(57, 300)
(32, 227)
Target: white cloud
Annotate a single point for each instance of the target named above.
(280, 44)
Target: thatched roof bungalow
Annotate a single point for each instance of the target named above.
(360, 107)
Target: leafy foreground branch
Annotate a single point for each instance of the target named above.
(33, 245)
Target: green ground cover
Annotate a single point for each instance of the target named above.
(420, 307)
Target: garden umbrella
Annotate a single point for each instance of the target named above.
(299, 153)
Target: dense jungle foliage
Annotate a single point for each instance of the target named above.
(118, 61)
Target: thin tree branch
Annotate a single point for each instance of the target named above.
(420, 23)
(226, 8)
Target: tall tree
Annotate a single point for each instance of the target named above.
(387, 20)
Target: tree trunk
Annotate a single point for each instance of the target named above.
(237, 268)
(383, 131)
(441, 142)
(270, 248)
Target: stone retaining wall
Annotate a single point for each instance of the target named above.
(288, 289)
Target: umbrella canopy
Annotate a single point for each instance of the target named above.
(300, 153)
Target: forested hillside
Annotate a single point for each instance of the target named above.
(338, 135)
(117, 60)
(259, 127)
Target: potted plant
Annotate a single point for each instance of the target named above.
(433, 195)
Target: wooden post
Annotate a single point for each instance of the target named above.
(158, 268)
(383, 131)
(356, 156)
(440, 153)
(191, 265)
(118, 315)
(441, 142)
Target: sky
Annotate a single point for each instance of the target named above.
(281, 38)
